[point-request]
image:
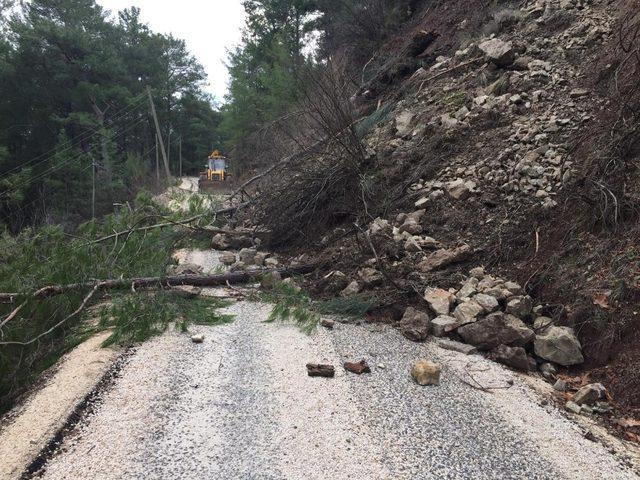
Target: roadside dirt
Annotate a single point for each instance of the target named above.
(28, 428)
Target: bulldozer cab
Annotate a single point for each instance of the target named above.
(216, 167)
(217, 164)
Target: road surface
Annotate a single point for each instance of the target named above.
(241, 406)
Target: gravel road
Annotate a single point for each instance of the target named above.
(240, 406)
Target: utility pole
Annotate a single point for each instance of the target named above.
(180, 154)
(159, 133)
(93, 188)
(157, 161)
(169, 147)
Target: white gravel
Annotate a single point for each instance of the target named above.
(241, 406)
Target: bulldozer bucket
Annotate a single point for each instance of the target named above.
(214, 186)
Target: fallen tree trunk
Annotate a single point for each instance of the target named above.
(163, 282)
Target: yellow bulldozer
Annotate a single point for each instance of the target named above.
(215, 179)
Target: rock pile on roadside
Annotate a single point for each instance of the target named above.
(495, 316)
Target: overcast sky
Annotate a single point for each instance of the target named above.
(210, 28)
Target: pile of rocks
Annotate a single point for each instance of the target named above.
(494, 315)
(527, 82)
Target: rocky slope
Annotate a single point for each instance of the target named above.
(482, 224)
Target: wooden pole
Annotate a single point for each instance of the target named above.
(157, 161)
(180, 154)
(159, 133)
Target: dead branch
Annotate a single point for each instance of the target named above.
(449, 70)
(188, 221)
(60, 323)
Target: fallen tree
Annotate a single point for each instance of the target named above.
(162, 282)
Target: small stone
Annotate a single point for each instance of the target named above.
(573, 407)
(458, 189)
(271, 262)
(382, 366)
(358, 368)
(477, 272)
(335, 282)
(454, 346)
(514, 357)
(439, 300)
(467, 312)
(578, 92)
(227, 258)
(270, 280)
(328, 324)
(425, 372)
(404, 122)
(442, 325)
(487, 302)
(542, 323)
(247, 256)
(560, 385)
(415, 325)
(197, 338)
(498, 51)
(548, 370)
(220, 242)
(589, 394)
(319, 370)
(513, 287)
(520, 306)
(412, 245)
(422, 202)
(352, 289)
(468, 288)
(370, 277)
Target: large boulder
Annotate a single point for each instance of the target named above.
(439, 300)
(559, 345)
(497, 329)
(498, 51)
(415, 325)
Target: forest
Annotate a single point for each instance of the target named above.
(75, 99)
(74, 104)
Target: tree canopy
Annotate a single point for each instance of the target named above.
(74, 98)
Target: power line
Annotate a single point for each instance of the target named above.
(59, 166)
(83, 137)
